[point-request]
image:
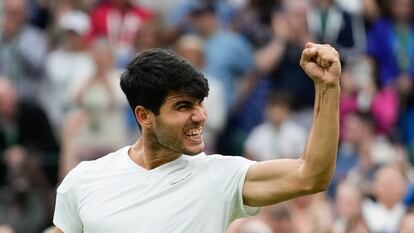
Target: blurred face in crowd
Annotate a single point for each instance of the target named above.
(348, 201)
(354, 128)
(297, 15)
(14, 17)
(278, 218)
(384, 179)
(290, 22)
(277, 114)
(150, 35)
(401, 10)
(205, 23)
(102, 56)
(191, 48)
(73, 41)
(8, 98)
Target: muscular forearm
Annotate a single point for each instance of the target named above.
(321, 150)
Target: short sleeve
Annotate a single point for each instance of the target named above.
(230, 173)
(66, 216)
(240, 209)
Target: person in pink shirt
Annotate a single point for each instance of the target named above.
(118, 21)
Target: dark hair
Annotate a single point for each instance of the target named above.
(203, 7)
(155, 73)
(280, 98)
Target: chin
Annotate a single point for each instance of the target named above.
(194, 150)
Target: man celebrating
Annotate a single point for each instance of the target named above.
(165, 183)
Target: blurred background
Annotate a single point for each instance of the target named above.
(60, 101)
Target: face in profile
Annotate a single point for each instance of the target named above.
(180, 124)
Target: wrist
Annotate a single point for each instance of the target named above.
(331, 88)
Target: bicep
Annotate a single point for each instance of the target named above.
(273, 181)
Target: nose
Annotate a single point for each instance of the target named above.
(199, 114)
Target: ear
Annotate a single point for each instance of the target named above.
(143, 116)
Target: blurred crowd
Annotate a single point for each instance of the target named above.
(60, 101)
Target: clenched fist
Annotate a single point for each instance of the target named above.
(321, 63)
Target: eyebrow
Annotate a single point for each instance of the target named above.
(180, 102)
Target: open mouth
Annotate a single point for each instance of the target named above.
(195, 134)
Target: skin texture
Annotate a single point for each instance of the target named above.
(166, 136)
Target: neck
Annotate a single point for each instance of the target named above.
(146, 156)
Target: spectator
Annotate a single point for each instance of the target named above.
(253, 21)
(254, 226)
(361, 95)
(368, 9)
(25, 201)
(277, 60)
(118, 21)
(179, 20)
(25, 124)
(386, 213)
(102, 105)
(19, 59)
(67, 64)
(311, 213)
(278, 136)
(388, 45)
(150, 35)
(328, 23)
(229, 57)
(278, 218)
(371, 151)
(348, 205)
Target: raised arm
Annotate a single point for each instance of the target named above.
(273, 181)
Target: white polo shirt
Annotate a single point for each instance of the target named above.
(190, 194)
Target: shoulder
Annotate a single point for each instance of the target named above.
(108, 162)
(217, 161)
(72, 179)
(94, 167)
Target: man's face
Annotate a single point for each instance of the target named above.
(14, 17)
(277, 114)
(179, 126)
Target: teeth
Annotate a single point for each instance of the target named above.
(194, 132)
